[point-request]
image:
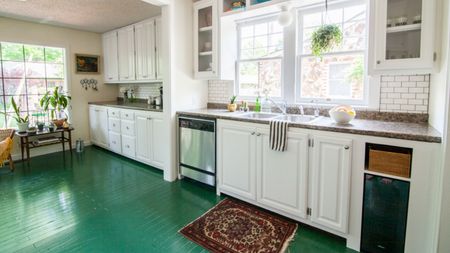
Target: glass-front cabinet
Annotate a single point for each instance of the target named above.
(205, 39)
(403, 37)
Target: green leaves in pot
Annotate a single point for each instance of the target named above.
(325, 38)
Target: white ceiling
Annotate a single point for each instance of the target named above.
(88, 15)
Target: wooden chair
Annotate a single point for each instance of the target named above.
(5, 133)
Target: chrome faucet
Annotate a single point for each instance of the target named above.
(316, 108)
(282, 107)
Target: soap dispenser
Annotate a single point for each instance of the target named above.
(266, 105)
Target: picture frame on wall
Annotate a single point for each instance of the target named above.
(87, 64)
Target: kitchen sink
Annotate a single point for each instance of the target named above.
(259, 115)
(298, 118)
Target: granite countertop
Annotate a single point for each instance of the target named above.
(128, 105)
(398, 130)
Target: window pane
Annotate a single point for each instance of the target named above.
(258, 76)
(14, 86)
(12, 52)
(247, 32)
(13, 69)
(54, 55)
(36, 86)
(34, 53)
(33, 103)
(312, 20)
(338, 77)
(51, 84)
(261, 29)
(20, 101)
(35, 70)
(55, 70)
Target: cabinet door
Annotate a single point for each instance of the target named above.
(158, 141)
(129, 146)
(126, 53)
(143, 135)
(145, 50)
(330, 187)
(206, 39)
(115, 142)
(158, 40)
(237, 160)
(403, 37)
(98, 122)
(110, 57)
(282, 176)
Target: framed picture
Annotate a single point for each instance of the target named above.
(87, 64)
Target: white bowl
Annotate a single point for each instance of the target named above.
(342, 114)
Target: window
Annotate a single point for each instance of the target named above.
(339, 75)
(27, 73)
(260, 58)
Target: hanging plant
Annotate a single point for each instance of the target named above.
(325, 38)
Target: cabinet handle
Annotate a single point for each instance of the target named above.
(126, 115)
(346, 147)
(253, 133)
(378, 62)
(258, 134)
(149, 118)
(128, 128)
(128, 146)
(114, 125)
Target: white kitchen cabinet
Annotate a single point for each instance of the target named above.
(126, 52)
(98, 125)
(206, 43)
(282, 176)
(330, 186)
(158, 41)
(144, 33)
(115, 142)
(110, 57)
(402, 46)
(129, 146)
(149, 138)
(236, 161)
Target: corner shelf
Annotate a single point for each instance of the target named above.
(404, 28)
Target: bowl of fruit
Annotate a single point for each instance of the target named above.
(342, 114)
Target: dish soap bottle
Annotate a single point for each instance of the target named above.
(257, 105)
(266, 105)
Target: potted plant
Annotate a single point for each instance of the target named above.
(56, 102)
(232, 106)
(325, 38)
(22, 122)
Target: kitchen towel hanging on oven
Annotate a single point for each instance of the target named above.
(278, 135)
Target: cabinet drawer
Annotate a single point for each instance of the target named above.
(114, 142)
(389, 160)
(114, 113)
(127, 115)
(114, 125)
(128, 146)
(127, 127)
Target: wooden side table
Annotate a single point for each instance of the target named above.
(26, 144)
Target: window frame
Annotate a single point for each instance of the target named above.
(65, 79)
(368, 86)
(254, 21)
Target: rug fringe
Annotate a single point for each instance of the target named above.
(289, 240)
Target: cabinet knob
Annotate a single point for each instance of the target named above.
(128, 128)
(346, 147)
(258, 134)
(253, 133)
(128, 146)
(114, 142)
(114, 125)
(378, 62)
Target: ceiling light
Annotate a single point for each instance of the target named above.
(285, 18)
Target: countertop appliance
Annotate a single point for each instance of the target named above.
(197, 147)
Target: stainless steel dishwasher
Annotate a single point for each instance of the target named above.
(198, 149)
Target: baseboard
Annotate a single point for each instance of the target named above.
(17, 156)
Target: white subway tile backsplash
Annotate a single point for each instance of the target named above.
(397, 93)
(143, 90)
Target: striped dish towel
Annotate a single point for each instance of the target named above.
(278, 135)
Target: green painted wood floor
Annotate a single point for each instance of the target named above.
(101, 202)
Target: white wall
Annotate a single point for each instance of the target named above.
(181, 90)
(73, 41)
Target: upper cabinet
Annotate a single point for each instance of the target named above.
(144, 35)
(132, 53)
(206, 46)
(403, 36)
(111, 62)
(126, 54)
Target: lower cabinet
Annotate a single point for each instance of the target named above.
(98, 125)
(149, 138)
(132, 133)
(250, 170)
